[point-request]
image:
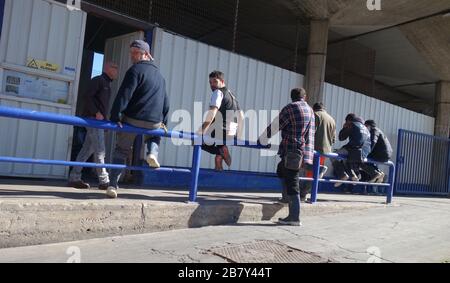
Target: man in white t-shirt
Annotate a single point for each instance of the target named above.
(225, 115)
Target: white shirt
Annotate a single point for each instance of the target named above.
(216, 99)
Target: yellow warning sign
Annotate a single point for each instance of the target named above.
(42, 65)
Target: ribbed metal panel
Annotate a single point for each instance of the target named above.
(390, 118)
(28, 139)
(47, 31)
(42, 30)
(186, 64)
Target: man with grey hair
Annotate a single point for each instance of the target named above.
(141, 102)
(96, 102)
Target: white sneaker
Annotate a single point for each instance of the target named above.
(345, 178)
(111, 192)
(380, 179)
(153, 161)
(375, 178)
(324, 171)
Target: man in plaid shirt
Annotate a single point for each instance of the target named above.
(297, 125)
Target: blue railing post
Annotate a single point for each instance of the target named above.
(316, 173)
(195, 173)
(390, 192)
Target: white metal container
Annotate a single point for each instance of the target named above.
(36, 35)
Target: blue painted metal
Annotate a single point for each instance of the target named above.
(400, 160)
(2, 12)
(390, 191)
(417, 175)
(195, 173)
(89, 165)
(316, 173)
(83, 122)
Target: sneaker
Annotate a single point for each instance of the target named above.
(79, 185)
(111, 192)
(345, 178)
(288, 222)
(323, 170)
(380, 179)
(375, 178)
(355, 177)
(226, 156)
(153, 161)
(103, 187)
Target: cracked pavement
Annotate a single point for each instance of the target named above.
(415, 230)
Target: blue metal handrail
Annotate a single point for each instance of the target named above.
(32, 115)
(317, 180)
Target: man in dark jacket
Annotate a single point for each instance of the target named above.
(96, 103)
(381, 151)
(357, 149)
(142, 102)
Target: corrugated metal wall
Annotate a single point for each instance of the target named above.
(186, 64)
(43, 30)
(29, 139)
(48, 31)
(390, 118)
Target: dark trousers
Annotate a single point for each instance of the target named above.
(291, 190)
(371, 169)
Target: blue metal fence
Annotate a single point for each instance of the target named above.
(423, 164)
(194, 172)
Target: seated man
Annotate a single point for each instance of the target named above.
(357, 149)
(381, 151)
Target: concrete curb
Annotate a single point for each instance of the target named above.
(25, 223)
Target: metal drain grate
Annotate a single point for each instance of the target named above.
(266, 252)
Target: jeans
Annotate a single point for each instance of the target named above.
(94, 143)
(124, 146)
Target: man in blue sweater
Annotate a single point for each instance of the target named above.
(142, 102)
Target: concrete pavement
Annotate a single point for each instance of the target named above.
(43, 212)
(415, 230)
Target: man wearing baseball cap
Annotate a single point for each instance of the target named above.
(142, 102)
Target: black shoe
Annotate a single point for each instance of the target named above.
(79, 185)
(289, 222)
(103, 187)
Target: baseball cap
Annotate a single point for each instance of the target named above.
(142, 45)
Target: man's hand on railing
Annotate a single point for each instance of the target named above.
(120, 125)
(164, 127)
(99, 116)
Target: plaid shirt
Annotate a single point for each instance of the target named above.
(297, 126)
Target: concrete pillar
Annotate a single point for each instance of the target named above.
(442, 127)
(316, 61)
